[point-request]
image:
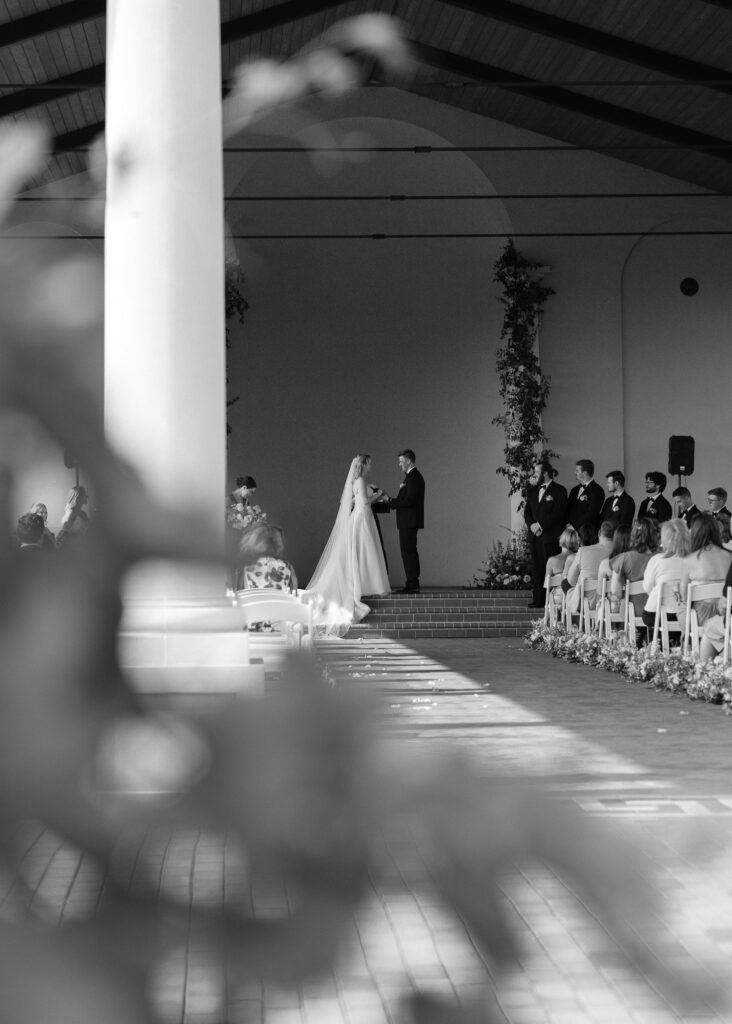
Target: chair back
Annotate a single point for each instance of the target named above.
(727, 648)
(701, 590)
(247, 597)
(551, 582)
(278, 606)
(606, 616)
(587, 615)
(632, 621)
(667, 603)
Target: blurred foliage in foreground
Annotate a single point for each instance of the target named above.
(298, 782)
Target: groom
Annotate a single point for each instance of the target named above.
(409, 505)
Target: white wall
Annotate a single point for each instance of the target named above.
(377, 345)
(371, 346)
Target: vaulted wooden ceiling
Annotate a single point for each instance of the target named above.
(646, 81)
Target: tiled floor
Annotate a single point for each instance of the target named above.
(654, 765)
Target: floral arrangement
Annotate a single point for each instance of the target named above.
(522, 386)
(675, 672)
(240, 516)
(508, 566)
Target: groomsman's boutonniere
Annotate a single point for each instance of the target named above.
(548, 497)
(616, 505)
(583, 497)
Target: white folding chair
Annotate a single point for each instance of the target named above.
(279, 606)
(727, 649)
(633, 622)
(606, 617)
(667, 603)
(692, 630)
(587, 615)
(551, 608)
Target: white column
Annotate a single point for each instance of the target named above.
(164, 263)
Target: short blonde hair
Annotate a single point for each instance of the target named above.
(261, 540)
(569, 539)
(675, 538)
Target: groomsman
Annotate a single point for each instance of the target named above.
(716, 499)
(654, 505)
(685, 507)
(409, 505)
(545, 513)
(586, 498)
(619, 508)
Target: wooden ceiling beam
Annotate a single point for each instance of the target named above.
(80, 138)
(271, 17)
(47, 92)
(577, 103)
(587, 38)
(93, 77)
(51, 20)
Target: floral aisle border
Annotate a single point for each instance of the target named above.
(523, 388)
(674, 673)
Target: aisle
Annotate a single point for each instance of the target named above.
(614, 750)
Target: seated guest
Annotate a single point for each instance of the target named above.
(586, 498)
(630, 566)
(261, 566)
(621, 543)
(260, 562)
(569, 545)
(716, 499)
(48, 542)
(29, 532)
(654, 505)
(619, 507)
(75, 521)
(707, 562)
(712, 640)
(685, 507)
(587, 563)
(666, 566)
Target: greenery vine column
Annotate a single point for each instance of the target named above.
(522, 386)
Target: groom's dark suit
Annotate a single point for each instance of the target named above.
(409, 505)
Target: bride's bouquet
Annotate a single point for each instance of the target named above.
(240, 516)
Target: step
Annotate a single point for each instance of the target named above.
(444, 632)
(447, 612)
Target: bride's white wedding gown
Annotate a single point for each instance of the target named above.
(351, 565)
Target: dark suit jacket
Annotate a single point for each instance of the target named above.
(550, 513)
(660, 510)
(690, 515)
(618, 509)
(409, 502)
(585, 508)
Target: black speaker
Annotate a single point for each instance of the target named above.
(680, 455)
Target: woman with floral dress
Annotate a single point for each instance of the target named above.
(260, 563)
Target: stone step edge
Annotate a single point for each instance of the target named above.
(478, 632)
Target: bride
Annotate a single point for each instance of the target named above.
(352, 563)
